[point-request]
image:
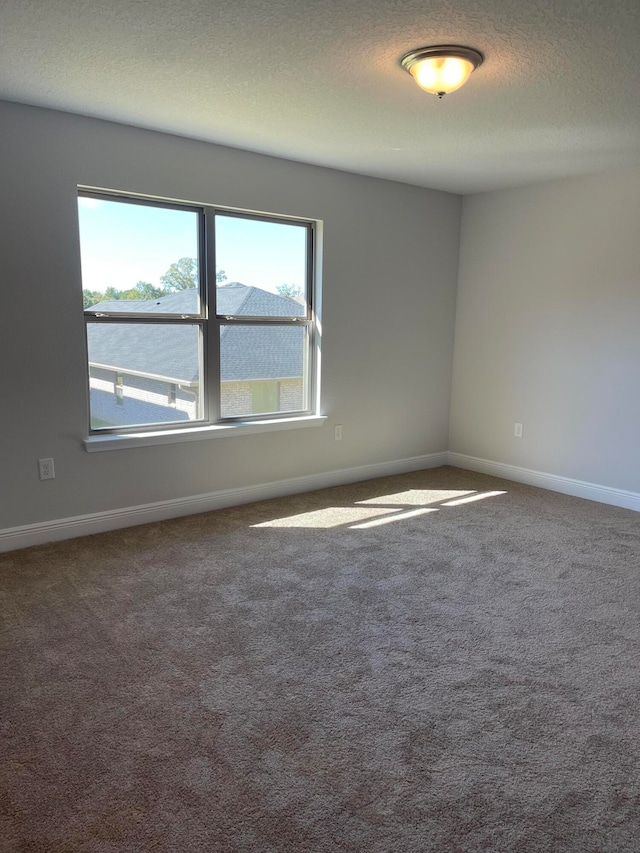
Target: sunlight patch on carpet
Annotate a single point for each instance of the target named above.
(479, 497)
(418, 497)
(333, 516)
(397, 516)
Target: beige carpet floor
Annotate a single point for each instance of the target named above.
(387, 667)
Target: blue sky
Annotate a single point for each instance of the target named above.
(122, 244)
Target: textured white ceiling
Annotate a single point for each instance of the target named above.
(319, 80)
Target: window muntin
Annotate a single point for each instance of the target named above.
(174, 359)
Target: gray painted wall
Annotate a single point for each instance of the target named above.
(548, 329)
(389, 279)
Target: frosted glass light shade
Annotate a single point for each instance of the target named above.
(441, 69)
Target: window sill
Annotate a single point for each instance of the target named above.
(122, 441)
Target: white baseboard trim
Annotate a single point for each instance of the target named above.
(99, 522)
(576, 488)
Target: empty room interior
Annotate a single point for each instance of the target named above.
(320, 465)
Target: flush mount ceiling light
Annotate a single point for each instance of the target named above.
(443, 68)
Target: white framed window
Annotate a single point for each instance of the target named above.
(194, 315)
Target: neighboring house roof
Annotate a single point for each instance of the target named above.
(236, 298)
(170, 352)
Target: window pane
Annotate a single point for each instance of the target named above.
(263, 370)
(138, 258)
(144, 373)
(261, 267)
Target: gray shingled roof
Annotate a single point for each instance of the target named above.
(236, 298)
(170, 353)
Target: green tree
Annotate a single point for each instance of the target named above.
(293, 291)
(144, 290)
(111, 293)
(91, 297)
(181, 275)
(221, 275)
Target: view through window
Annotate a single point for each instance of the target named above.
(193, 314)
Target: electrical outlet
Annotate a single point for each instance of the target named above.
(338, 432)
(517, 430)
(47, 471)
